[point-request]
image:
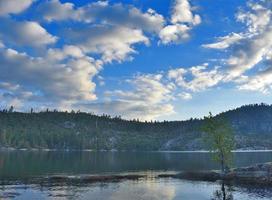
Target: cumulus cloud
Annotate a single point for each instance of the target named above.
(62, 74)
(196, 78)
(67, 50)
(13, 95)
(261, 82)
(249, 52)
(50, 79)
(13, 6)
(182, 13)
(129, 109)
(147, 99)
(182, 21)
(251, 47)
(55, 10)
(119, 14)
(174, 33)
(108, 29)
(102, 12)
(25, 33)
(258, 17)
(113, 43)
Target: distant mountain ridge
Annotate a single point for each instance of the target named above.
(76, 130)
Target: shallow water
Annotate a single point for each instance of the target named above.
(151, 189)
(18, 165)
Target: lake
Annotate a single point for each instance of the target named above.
(19, 165)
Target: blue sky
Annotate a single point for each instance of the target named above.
(145, 59)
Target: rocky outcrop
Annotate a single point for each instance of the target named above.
(259, 174)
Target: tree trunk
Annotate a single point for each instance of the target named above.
(222, 163)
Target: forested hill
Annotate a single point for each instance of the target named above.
(77, 130)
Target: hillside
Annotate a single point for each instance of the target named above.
(63, 130)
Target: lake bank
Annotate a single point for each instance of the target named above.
(256, 175)
(114, 150)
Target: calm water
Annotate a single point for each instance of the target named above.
(17, 165)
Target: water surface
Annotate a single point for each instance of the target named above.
(18, 165)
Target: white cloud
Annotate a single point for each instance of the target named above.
(50, 80)
(62, 74)
(13, 95)
(185, 96)
(9, 86)
(260, 82)
(259, 16)
(122, 15)
(182, 21)
(130, 110)
(67, 50)
(107, 29)
(176, 73)
(251, 47)
(130, 17)
(13, 6)
(102, 12)
(203, 78)
(174, 33)
(147, 99)
(196, 78)
(113, 43)
(225, 42)
(55, 10)
(25, 33)
(182, 13)
(249, 52)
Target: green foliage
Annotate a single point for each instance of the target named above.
(218, 134)
(252, 126)
(77, 130)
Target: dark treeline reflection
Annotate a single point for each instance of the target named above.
(16, 164)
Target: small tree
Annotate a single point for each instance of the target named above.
(11, 109)
(220, 139)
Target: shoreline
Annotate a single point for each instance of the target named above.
(116, 151)
(254, 175)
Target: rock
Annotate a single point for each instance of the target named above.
(259, 174)
(69, 125)
(201, 176)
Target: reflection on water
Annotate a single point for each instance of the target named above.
(151, 189)
(19, 164)
(224, 193)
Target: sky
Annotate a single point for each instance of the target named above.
(138, 59)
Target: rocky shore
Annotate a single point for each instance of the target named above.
(259, 174)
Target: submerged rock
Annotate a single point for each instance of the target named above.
(94, 178)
